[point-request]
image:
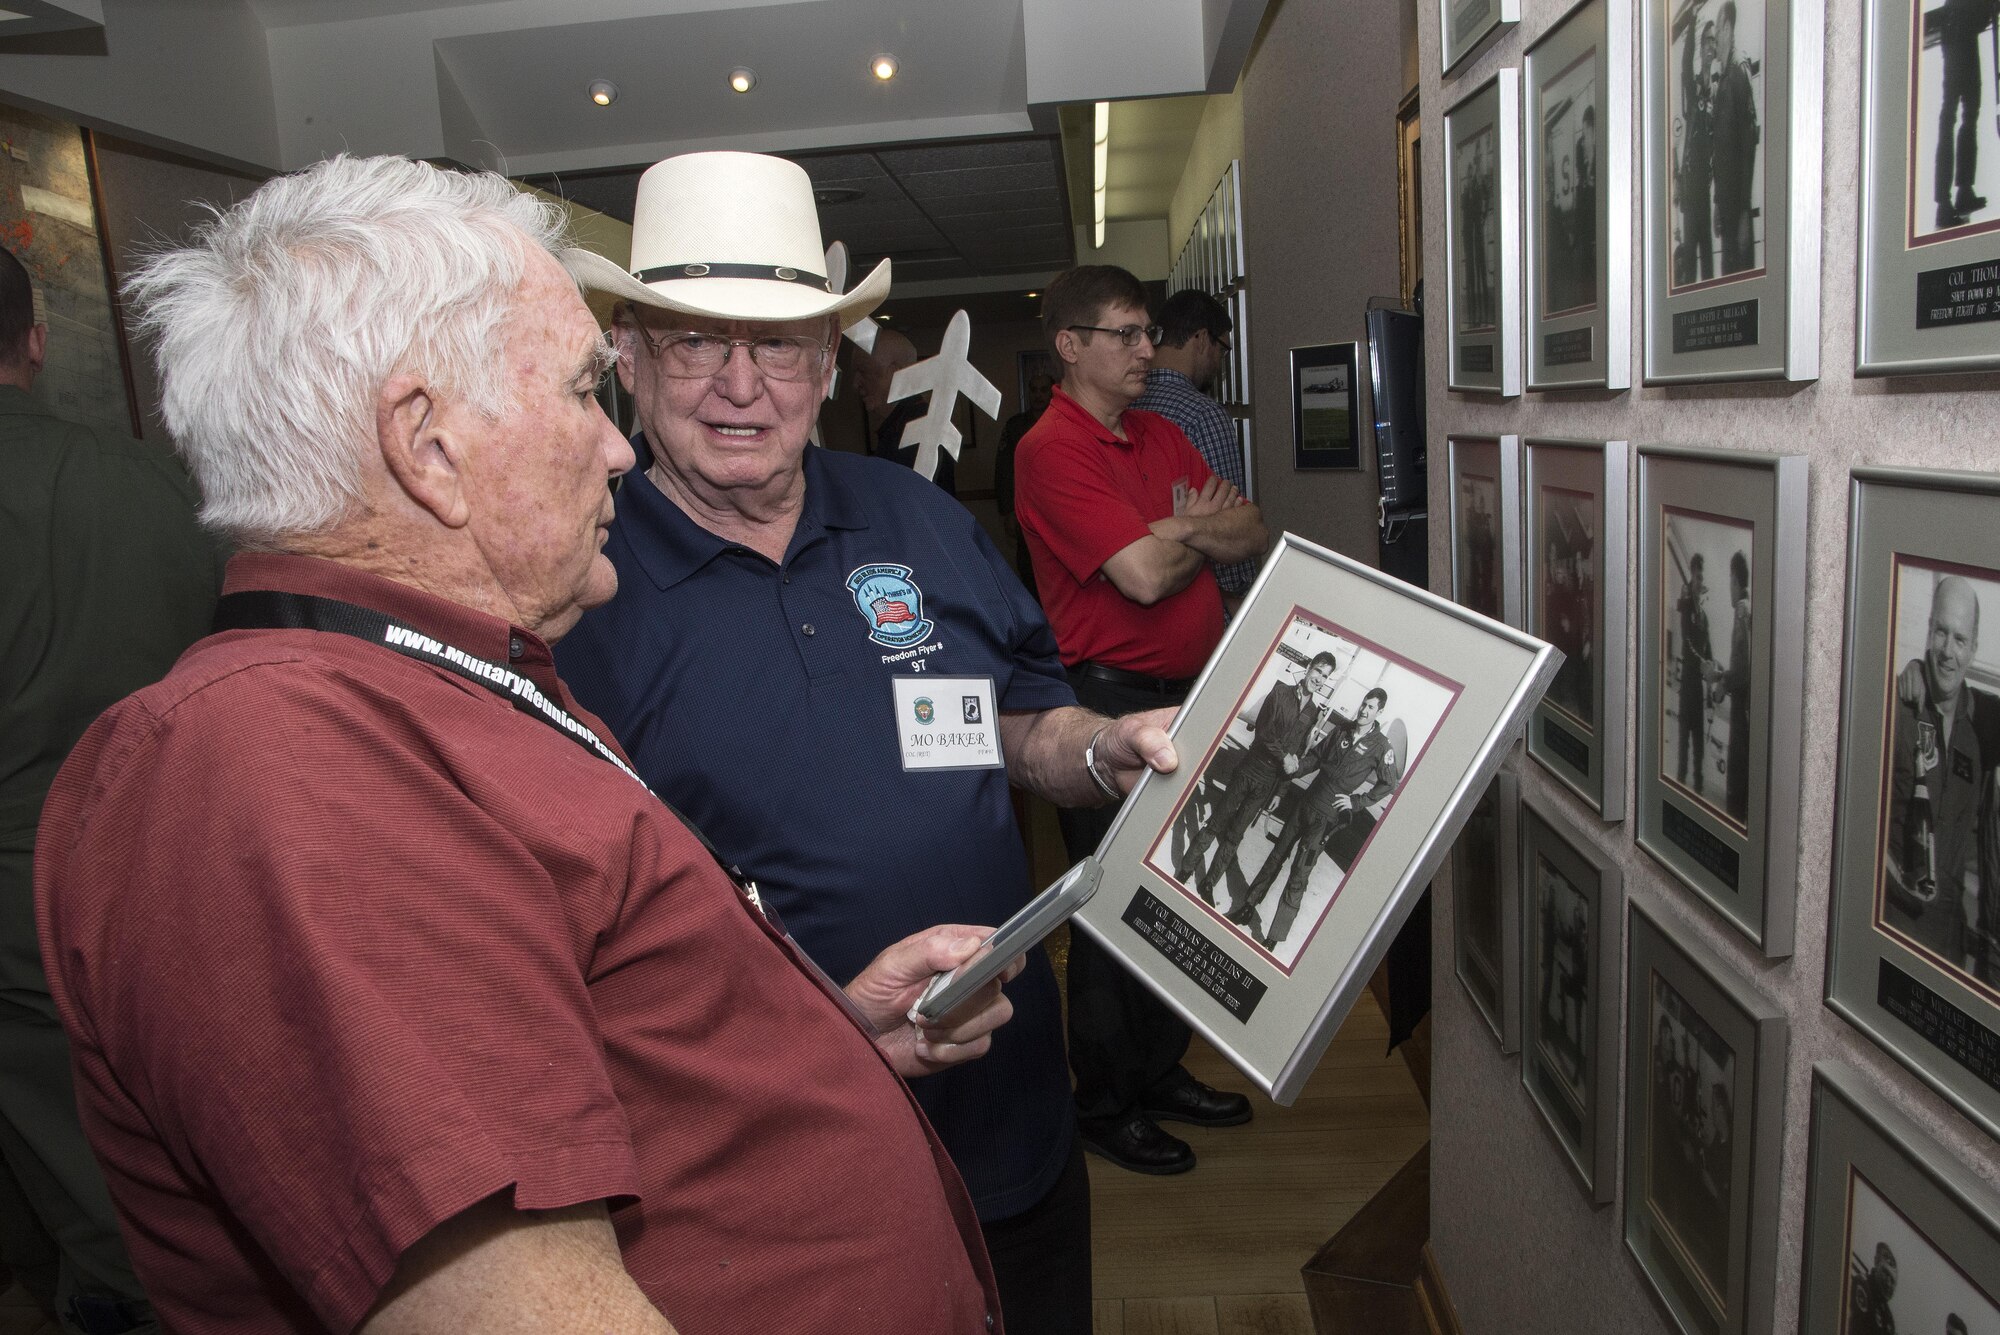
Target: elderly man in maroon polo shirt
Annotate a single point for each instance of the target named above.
(397, 1002)
(1122, 518)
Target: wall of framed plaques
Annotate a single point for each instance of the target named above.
(1807, 808)
(1211, 259)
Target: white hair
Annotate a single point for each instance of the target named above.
(278, 326)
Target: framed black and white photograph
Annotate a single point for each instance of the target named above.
(1572, 916)
(1578, 90)
(1732, 140)
(1900, 1238)
(1575, 594)
(1486, 909)
(1326, 406)
(1914, 939)
(1930, 189)
(1722, 594)
(1486, 525)
(1467, 27)
(1704, 1120)
(1482, 210)
(1331, 751)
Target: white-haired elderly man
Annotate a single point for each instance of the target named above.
(398, 1003)
(824, 661)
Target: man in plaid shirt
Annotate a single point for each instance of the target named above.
(1194, 339)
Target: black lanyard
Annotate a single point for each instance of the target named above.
(268, 609)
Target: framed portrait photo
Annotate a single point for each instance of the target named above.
(1467, 27)
(1722, 593)
(1732, 167)
(1913, 944)
(1579, 243)
(1326, 406)
(1572, 917)
(1899, 1237)
(1704, 1123)
(1486, 909)
(1486, 525)
(1575, 596)
(1929, 279)
(1482, 208)
(1331, 750)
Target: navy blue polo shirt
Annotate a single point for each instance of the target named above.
(752, 697)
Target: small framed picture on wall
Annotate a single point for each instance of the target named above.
(1914, 938)
(1704, 1128)
(1899, 1236)
(1326, 406)
(1467, 27)
(1486, 909)
(1722, 594)
(1575, 540)
(1482, 209)
(1572, 915)
(1578, 177)
(1486, 525)
(1732, 181)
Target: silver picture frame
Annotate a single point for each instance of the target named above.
(1482, 210)
(1468, 27)
(1718, 741)
(1704, 1129)
(1404, 728)
(1576, 86)
(1572, 921)
(1928, 282)
(1731, 135)
(1486, 909)
(1913, 949)
(1485, 505)
(1899, 1235)
(1575, 502)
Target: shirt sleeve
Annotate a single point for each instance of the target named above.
(350, 1039)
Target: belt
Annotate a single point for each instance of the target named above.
(1137, 681)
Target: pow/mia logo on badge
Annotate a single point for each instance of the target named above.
(926, 711)
(892, 605)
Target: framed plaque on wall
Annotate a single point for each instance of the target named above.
(1482, 203)
(1913, 945)
(1578, 86)
(1722, 596)
(1732, 180)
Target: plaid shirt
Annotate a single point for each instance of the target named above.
(1210, 430)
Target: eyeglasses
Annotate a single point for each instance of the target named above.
(685, 354)
(1128, 334)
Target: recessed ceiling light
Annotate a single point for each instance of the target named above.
(884, 67)
(742, 79)
(603, 92)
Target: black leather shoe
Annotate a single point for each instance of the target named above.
(1141, 1147)
(1949, 217)
(1967, 202)
(1197, 1105)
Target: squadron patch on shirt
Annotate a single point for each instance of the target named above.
(925, 711)
(892, 605)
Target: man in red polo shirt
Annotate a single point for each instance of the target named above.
(397, 1003)
(1122, 518)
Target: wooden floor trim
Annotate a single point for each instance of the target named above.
(1440, 1316)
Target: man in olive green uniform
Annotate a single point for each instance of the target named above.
(107, 580)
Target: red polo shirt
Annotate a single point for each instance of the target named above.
(1082, 495)
(345, 943)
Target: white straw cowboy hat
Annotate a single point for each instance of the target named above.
(734, 236)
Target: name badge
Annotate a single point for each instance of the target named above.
(947, 722)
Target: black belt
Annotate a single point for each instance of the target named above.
(1137, 681)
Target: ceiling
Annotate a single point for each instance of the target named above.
(959, 162)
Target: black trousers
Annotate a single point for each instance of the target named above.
(1041, 1257)
(1123, 1043)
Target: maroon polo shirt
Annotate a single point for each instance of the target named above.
(1082, 495)
(346, 943)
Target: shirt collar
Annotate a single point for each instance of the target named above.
(475, 632)
(1061, 402)
(1168, 376)
(15, 400)
(670, 546)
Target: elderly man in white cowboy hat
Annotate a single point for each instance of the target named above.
(397, 1002)
(824, 661)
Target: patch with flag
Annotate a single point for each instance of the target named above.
(891, 603)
